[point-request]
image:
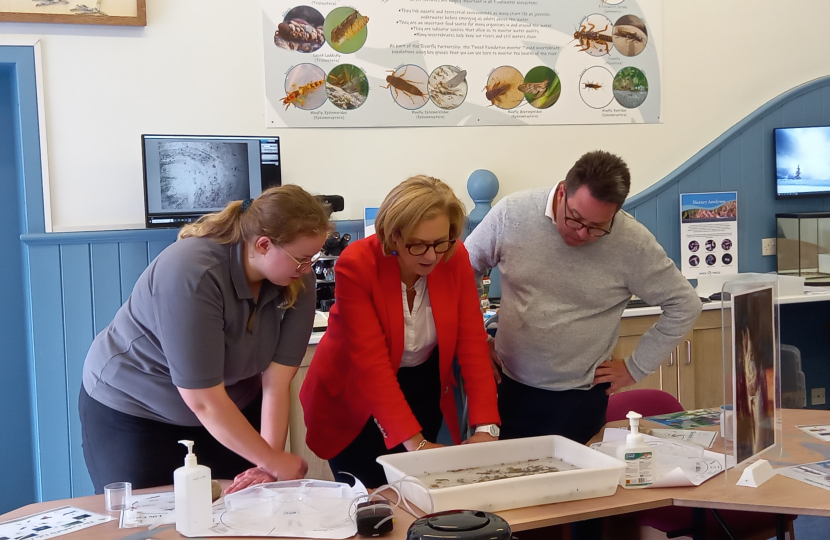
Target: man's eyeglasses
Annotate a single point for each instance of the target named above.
(576, 224)
(440, 247)
(302, 265)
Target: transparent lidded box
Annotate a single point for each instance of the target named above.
(803, 245)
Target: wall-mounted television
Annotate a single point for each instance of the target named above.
(802, 161)
(187, 176)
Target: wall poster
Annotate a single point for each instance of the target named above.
(373, 63)
(708, 234)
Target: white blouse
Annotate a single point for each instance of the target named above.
(419, 336)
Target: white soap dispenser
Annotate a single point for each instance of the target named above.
(191, 487)
(637, 455)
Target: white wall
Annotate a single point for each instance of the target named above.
(197, 69)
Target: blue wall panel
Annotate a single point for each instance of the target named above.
(106, 283)
(131, 263)
(78, 334)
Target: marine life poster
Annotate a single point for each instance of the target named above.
(377, 63)
(708, 234)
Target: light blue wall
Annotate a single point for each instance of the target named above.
(16, 453)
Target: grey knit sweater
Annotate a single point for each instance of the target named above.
(561, 305)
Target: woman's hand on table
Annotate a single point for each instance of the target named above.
(286, 466)
(252, 476)
(479, 438)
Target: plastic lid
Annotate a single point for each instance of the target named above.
(458, 521)
(190, 458)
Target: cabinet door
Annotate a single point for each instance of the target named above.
(686, 365)
(707, 358)
(665, 378)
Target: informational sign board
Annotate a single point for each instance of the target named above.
(361, 63)
(709, 234)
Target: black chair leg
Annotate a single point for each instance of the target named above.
(723, 524)
(780, 526)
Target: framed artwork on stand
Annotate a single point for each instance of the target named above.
(111, 12)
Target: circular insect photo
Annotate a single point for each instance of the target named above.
(694, 260)
(726, 244)
(301, 30)
(711, 245)
(345, 29)
(541, 87)
(727, 258)
(347, 86)
(711, 259)
(612, 2)
(595, 35)
(595, 87)
(630, 87)
(408, 86)
(448, 87)
(694, 246)
(502, 88)
(304, 87)
(630, 35)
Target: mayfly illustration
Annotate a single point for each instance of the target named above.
(625, 34)
(535, 89)
(494, 92)
(588, 37)
(349, 28)
(299, 95)
(591, 86)
(399, 84)
(455, 81)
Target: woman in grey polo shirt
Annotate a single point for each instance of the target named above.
(205, 349)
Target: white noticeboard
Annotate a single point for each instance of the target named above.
(709, 234)
(373, 63)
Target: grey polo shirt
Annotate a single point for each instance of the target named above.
(186, 324)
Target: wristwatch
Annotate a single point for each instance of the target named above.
(490, 429)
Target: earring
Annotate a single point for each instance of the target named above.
(395, 253)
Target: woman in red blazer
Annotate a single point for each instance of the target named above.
(406, 304)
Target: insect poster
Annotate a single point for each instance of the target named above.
(373, 63)
(709, 234)
(753, 371)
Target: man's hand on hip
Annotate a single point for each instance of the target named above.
(614, 372)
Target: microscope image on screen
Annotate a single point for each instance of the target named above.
(202, 174)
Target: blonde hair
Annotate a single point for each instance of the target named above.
(281, 213)
(412, 201)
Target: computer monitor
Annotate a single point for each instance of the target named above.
(802, 161)
(188, 176)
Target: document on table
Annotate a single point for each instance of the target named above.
(694, 436)
(671, 468)
(820, 432)
(688, 419)
(817, 474)
(50, 523)
(150, 509)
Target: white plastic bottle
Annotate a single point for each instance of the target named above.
(637, 455)
(191, 487)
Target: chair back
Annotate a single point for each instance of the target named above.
(645, 401)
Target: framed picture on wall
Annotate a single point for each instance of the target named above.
(113, 12)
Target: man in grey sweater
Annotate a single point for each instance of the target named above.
(570, 260)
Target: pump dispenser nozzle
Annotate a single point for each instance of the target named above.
(635, 437)
(190, 458)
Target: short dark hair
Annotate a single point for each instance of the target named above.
(605, 174)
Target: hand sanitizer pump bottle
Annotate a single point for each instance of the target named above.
(637, 455)
(191, 487)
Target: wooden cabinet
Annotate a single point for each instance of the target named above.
(317, 468)
(693, 372)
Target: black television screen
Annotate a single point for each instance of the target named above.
(802, 161)
(187, 176)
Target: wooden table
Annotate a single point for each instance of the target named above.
(779, 495)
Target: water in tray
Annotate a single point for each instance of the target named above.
(500, 471)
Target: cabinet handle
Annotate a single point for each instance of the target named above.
(661, 376)
(688, 352)
(677, 373)
(671, 357)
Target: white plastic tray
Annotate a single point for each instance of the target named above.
(597, 475)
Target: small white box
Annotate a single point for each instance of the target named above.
(597, 476)
(824, 263)
(790, 285)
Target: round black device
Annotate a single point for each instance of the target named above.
(459, 525)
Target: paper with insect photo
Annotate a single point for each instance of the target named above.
(365, 63)
(51, 523)
(708, 234)
(816, 474)
(820, 432)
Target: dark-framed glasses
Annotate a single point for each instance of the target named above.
(576, 224)
(304, 263)
(440, 247)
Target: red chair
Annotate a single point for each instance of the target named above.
(677, 521)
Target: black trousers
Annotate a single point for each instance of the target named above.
(526, 411)
(120, 447)
(421, 386)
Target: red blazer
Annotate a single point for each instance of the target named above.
(353, 372)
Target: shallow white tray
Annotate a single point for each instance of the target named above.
(597, 475)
